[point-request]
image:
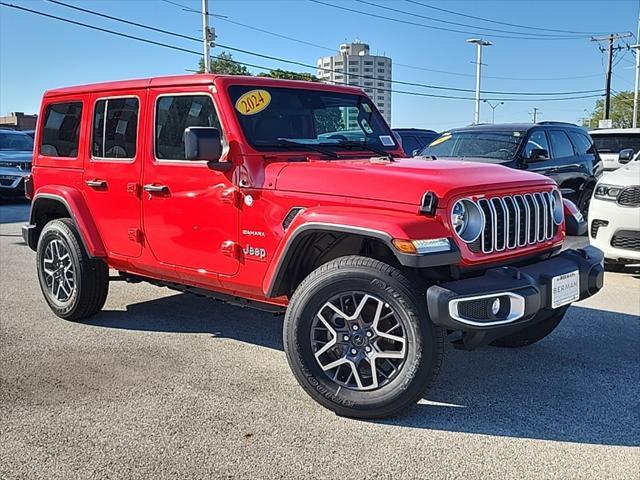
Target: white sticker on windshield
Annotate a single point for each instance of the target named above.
(366, 107)
(387, 141)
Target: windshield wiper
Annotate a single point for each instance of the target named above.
(287, 143)
(365, 146)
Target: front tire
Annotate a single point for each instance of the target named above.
(359, 340)
(74, 285)
(534, 333)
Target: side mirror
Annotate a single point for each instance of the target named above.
(204, 143)
(538, 154)
(625, 155)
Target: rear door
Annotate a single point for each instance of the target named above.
(190, 215)
(570, 170)
(113, 170)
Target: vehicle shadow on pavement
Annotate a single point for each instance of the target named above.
(580, 384)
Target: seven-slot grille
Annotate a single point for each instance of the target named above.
(515, 221)
(629, 197)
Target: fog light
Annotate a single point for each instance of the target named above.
(495, 306)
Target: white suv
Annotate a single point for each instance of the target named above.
(611, 141)
(614, 214)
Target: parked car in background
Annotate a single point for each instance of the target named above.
(615, 215)
(611, 142)
(31, 133)
(562, 151)
(16, 155)
(414, 139)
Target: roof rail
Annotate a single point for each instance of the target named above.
(552, 122)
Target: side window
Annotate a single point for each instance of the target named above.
(537, 141)
(173, 115)
(115, 128)
(410, 143)
(61, 130)
(582, 143)
(561, 144)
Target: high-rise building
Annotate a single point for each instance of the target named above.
(353, 65)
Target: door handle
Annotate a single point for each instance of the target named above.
(152, 188)
(96, 183)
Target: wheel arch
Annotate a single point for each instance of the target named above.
(319, 239)
(51, 203)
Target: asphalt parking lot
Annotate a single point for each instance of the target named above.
(167, 385)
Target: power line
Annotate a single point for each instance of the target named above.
(413, 14)
(314, 67)
(433, 27)
(397, 64)
(497, 22)
(261, 67)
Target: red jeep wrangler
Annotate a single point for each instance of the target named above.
(294, 196)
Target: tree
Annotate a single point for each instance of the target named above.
(621, 111)
(224, 64)
(289, 75)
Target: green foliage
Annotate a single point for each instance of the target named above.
(289, 75)
(621, 111)
(328, 120)
(224, 64)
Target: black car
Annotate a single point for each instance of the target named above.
(562, 151)
(415, 139)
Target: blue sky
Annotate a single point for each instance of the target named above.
(38, 53)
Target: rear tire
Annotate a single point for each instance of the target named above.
(74, 285)
(534, 333)
(387, 351)
(584, 201)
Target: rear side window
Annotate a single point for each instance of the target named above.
(61, 130)
(115, 128)
(561, 144)
(583, 144)
(173, 115)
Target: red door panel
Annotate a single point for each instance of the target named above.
(113, 170)
(189, 216)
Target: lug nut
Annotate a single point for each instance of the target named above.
(355, 327)
(367, 348)
(369, 334)
(353, 351)
(346, 338)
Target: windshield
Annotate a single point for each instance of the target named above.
(613, 143)
(496, 147)
(274, 118)
(16, 141)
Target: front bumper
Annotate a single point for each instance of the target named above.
(525, 290)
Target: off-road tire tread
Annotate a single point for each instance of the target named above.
(412, 292)
(93, 274)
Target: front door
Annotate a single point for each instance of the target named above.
(190, 217)
(113, 169)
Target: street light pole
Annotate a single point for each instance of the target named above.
(635, 92)
(493, 109)
(205, 36)
(479, 44)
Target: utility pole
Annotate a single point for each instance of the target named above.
(206, 33)
(535, 114)
(610, 49)
(637, 86)
(479, 44)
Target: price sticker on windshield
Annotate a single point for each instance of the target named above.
(253, 101)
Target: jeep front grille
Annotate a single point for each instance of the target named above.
(515, 221)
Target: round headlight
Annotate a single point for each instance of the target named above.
(557, 207)
(467, 220)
